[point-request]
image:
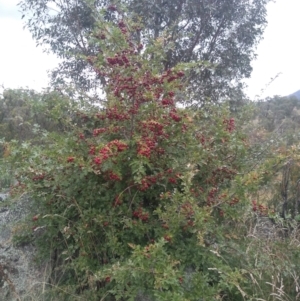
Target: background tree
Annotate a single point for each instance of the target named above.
(26, 115)
(222, 34)
(22, 109)
(279, 117)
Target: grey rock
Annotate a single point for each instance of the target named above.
(20, 278)
(3, 196)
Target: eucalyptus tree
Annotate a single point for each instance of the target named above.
(220, 35)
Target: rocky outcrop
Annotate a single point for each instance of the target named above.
(20, 278)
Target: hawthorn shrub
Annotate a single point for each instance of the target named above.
(130, 204)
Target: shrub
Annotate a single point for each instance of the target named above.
(133, 199)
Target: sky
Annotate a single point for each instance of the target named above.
(22, 64)
(278, 52)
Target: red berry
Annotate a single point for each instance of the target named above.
(180, 74)
(167, 238)
(70, 159)
(97, 160)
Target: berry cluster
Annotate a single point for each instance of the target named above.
(119, 60)
(175, 116)
(234, 201)
(118, 145)
(97, 160)
(140, 214)
(153, 126)
(229, 124)
(113, 176)
(168, 238)
(122, 26)
(109, 150)
(196, 191)
(97, 132)
(148, 181)
(190, 224)
(144, 150)
(166, 102)
(145, 146)
(220, 174)
(187, 210)
(172, 180)
(70, 159)
(261, 209)
(92, 150)
(117, 114)
(212, 195)
(151, 180)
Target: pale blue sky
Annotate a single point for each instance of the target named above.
(24, 65)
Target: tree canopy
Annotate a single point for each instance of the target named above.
(220, 35)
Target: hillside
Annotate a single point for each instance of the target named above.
(296, 94)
